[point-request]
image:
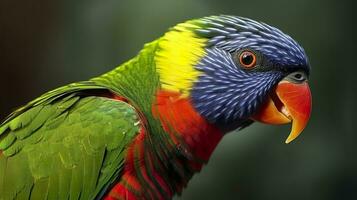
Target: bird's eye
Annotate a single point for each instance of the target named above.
(298, 76)
(247, 59)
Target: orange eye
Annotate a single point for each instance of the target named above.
(247, 59)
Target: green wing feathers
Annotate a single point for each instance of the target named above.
(65, 145)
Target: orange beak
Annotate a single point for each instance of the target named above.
(290, 103)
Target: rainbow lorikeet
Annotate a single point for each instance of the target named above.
(143, 129)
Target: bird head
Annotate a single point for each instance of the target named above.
(236, 70)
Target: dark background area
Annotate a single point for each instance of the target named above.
(46, 44)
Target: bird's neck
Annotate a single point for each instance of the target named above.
(189, 139)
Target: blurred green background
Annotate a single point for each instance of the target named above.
(46, 44)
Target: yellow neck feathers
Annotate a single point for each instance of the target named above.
(180, 50)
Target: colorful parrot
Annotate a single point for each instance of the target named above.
(142, 130)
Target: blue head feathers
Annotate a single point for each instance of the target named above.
(226, 92)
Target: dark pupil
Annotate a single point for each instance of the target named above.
(298, 76)
(247, 59)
